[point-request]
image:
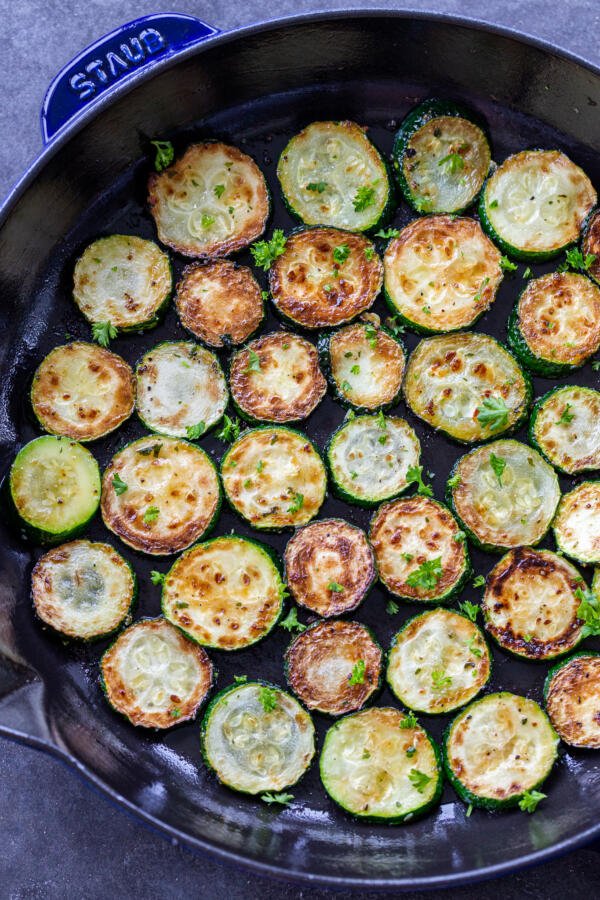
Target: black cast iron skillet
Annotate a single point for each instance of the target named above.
(255, 88)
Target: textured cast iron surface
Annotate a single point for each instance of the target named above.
(50, 689)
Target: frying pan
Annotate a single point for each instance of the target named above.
(180, 80)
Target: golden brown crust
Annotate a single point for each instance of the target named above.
(299, 277)
(382, 362)
(61, 395)
(320, 662)
(573, 702)
(591, 244)
(325, 553)
(285, 385)
(217, 299)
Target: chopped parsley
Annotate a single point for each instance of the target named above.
(427, 575)
(588, 611)
(414, 475)
(566, 417)
(358, 672)
(151, 515)
(530, 800)
(335, 586)
(419, 780)
(206, 221)
(157, 577)
(391, 608)
(118, 484)
(253, 361)
(506, 265)
(165, 154)
(527, 273)
(265, 253)
(231, 429)
(371, 335)
(576, 259)
(387, 233)
(498, 464)
(493, 413)
(453, 163)
(341, 254)
(454, 481)
(268, 698)
(355, 370)
(296, 504)
(193, 432)
(469, 609)
(381, 423)
(240, 679)
(369, 253)
(291, 623)
(409, 720)
(440, 680)
(219, 190)
(103, 333)
(317, 186)
(476, 651)
(283, 799)
(478, 581)
(346, 386)
(364, 197)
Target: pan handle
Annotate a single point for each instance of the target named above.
(117, 57)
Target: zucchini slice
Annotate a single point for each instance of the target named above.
(154, 676)
(530, 604)
(497, 748)
(325, 277)
(365, 364)
(277, 378)
(572, 697)
(369, 458)
(159, 495)
(329, 567)
(82, 391)
(331, 174)
(378, 770)
(54, 488)
(334, 667)
(256, 737)
(504, 494)
(438, 662)
(555, 324)
(226, 593)
(441, 157)
(123, 279)
(534, 204)
(83, 590)
(420, 551)
(181, 389)
(590, 243)
(466, 386)
(577, 523)
(274, 478)
(212, 201)
(565, 428)
(219, 302)
(441, 274)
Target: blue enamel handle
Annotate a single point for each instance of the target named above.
(113, 59)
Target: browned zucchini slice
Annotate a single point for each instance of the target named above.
(219, 302)
(530, 604)
(277, 378)
(211, 202)
(334, 667)
(329, 567)
(572, 695)
(311, 285)
(154, 676)
(564, 427)
(441, 273)
(420, 551)
(577, 523)
(590, 244)
(82, 391)
(160, 494)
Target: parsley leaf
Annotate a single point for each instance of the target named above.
(175, 712)
(240, 679)
(414, 475)
(506, 265)
(369, 253)
(345, 386)
(291, 623)
(206, 221)
(296, 504)
(283, 799)
(427, 575)
(478, 581)
(151, 515)
(253, 361)
(596, 365)
(341, 254)
(358, 672)
(469, 609)
(530, 800)
(355, 370)
(577, 260)
(566, 417)
(476, 651)
(391, 607)
(588, 611)
(268, 698)
(498, 464)
(231, 429)
(419, 780)
(193, 432)
(103, 333)
(381, 423)
(335, 586)
(527, 273)
(409, 720)
(454, 481)
(395, 326)
(118, 484)
(317, 186)
(387, 233)
(219, 190)
(440, 680)
(371, 335)
(265, 253)
(165, 154)
(365, 196)
(453, 163)
(157, 577)
(493, 413)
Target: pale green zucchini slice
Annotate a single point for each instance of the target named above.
(334, 667)
(504, 494)
(530, 604)
(211, 202)
(329, 567)
(438, 662)
(331, 174)
(160, 494)
(420, 551)
(565, 428)
(181, 389)
(82, 391)
(441, 274)
(276, 378)
(577, 523)
(497, 748)
(154, 676)
(369, 458)
(466, 386)
(123, 279)
(54, 487)
(555, 324)
(226, 593)
(219, 302)
(379, 767)
(534, 204)
(325, 277)
(257, 738)
(365, 364)
(82, 589)
(572, 697)
(274, 478)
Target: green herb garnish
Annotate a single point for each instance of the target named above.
(291, 623)
(427, 575)
(268, 698)
(530, 800)
(493, 413)
(118, 484)
(103, 333)
(358, 673)
(151, 514)
(193, 432)
(165, 154)
(265, 253)
(414, 475)
(498, 464)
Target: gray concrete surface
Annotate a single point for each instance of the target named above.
(60, 839)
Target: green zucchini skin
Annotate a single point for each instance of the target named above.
(508, 249)
(538, 408)
(477, 800)
(419, 116)
(323, 346)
